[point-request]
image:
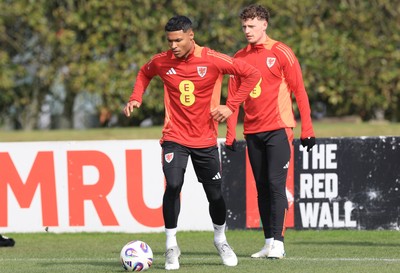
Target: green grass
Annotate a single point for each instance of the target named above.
(307, 251)
(322, 129)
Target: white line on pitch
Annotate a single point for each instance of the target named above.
(393, 260)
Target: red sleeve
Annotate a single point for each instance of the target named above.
(293, 76)
(249, 77)
(231, 122)
(146, 73)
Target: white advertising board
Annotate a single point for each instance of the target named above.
(87, 186)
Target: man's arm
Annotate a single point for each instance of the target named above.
(142, 81)
(296, 84)
(293, 75)
(231, 122)
(248, 77)
(146, 73)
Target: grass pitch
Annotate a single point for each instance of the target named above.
(307, 251)
(322, 129)
(327, 251)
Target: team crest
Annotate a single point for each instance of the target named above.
(202, 70)
(168, 157)
(270, 62)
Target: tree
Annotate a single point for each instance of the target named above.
(349, 52)
(26, 56)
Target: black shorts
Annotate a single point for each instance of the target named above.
(205, 161)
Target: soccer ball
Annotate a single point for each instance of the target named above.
(136, 256)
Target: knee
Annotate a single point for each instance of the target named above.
(174, 179)
(278, 189)
(215, 197)
(214, 193)
(173, 187)
(262, 188)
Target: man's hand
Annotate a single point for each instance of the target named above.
(231, 147)
(128, 109)
(308, 142)
(221, 113)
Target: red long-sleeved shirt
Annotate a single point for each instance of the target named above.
(192, 88)
(269, 106)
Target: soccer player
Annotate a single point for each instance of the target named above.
(192, 77)
(269, 121)
(5, 241)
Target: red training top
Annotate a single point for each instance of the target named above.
(269, 105)
(192, 88)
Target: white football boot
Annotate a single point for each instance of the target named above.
(172, 258)
(277, 250)
(264, 252)
(226, 252)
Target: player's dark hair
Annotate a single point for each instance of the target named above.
(254, 11)
(177, 23)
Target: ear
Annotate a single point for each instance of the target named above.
(265, 25)
(191, 35)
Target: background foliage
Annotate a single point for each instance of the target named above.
(53, 51)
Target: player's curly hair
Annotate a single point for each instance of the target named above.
(178, 22)
(254, 11)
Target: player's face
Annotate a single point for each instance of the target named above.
(181, 43)
(254, 30)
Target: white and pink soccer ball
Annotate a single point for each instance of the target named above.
(136, 256)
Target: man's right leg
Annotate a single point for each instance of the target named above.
(258, 160)
(171, 209)
(174, 164)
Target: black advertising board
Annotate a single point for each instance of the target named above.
(234, 184)
(343, 183)
(348, 183)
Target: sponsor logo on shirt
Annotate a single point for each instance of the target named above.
(171, 71)
(169, 157)
(256, 92)
(202, 71)
(270, 62)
